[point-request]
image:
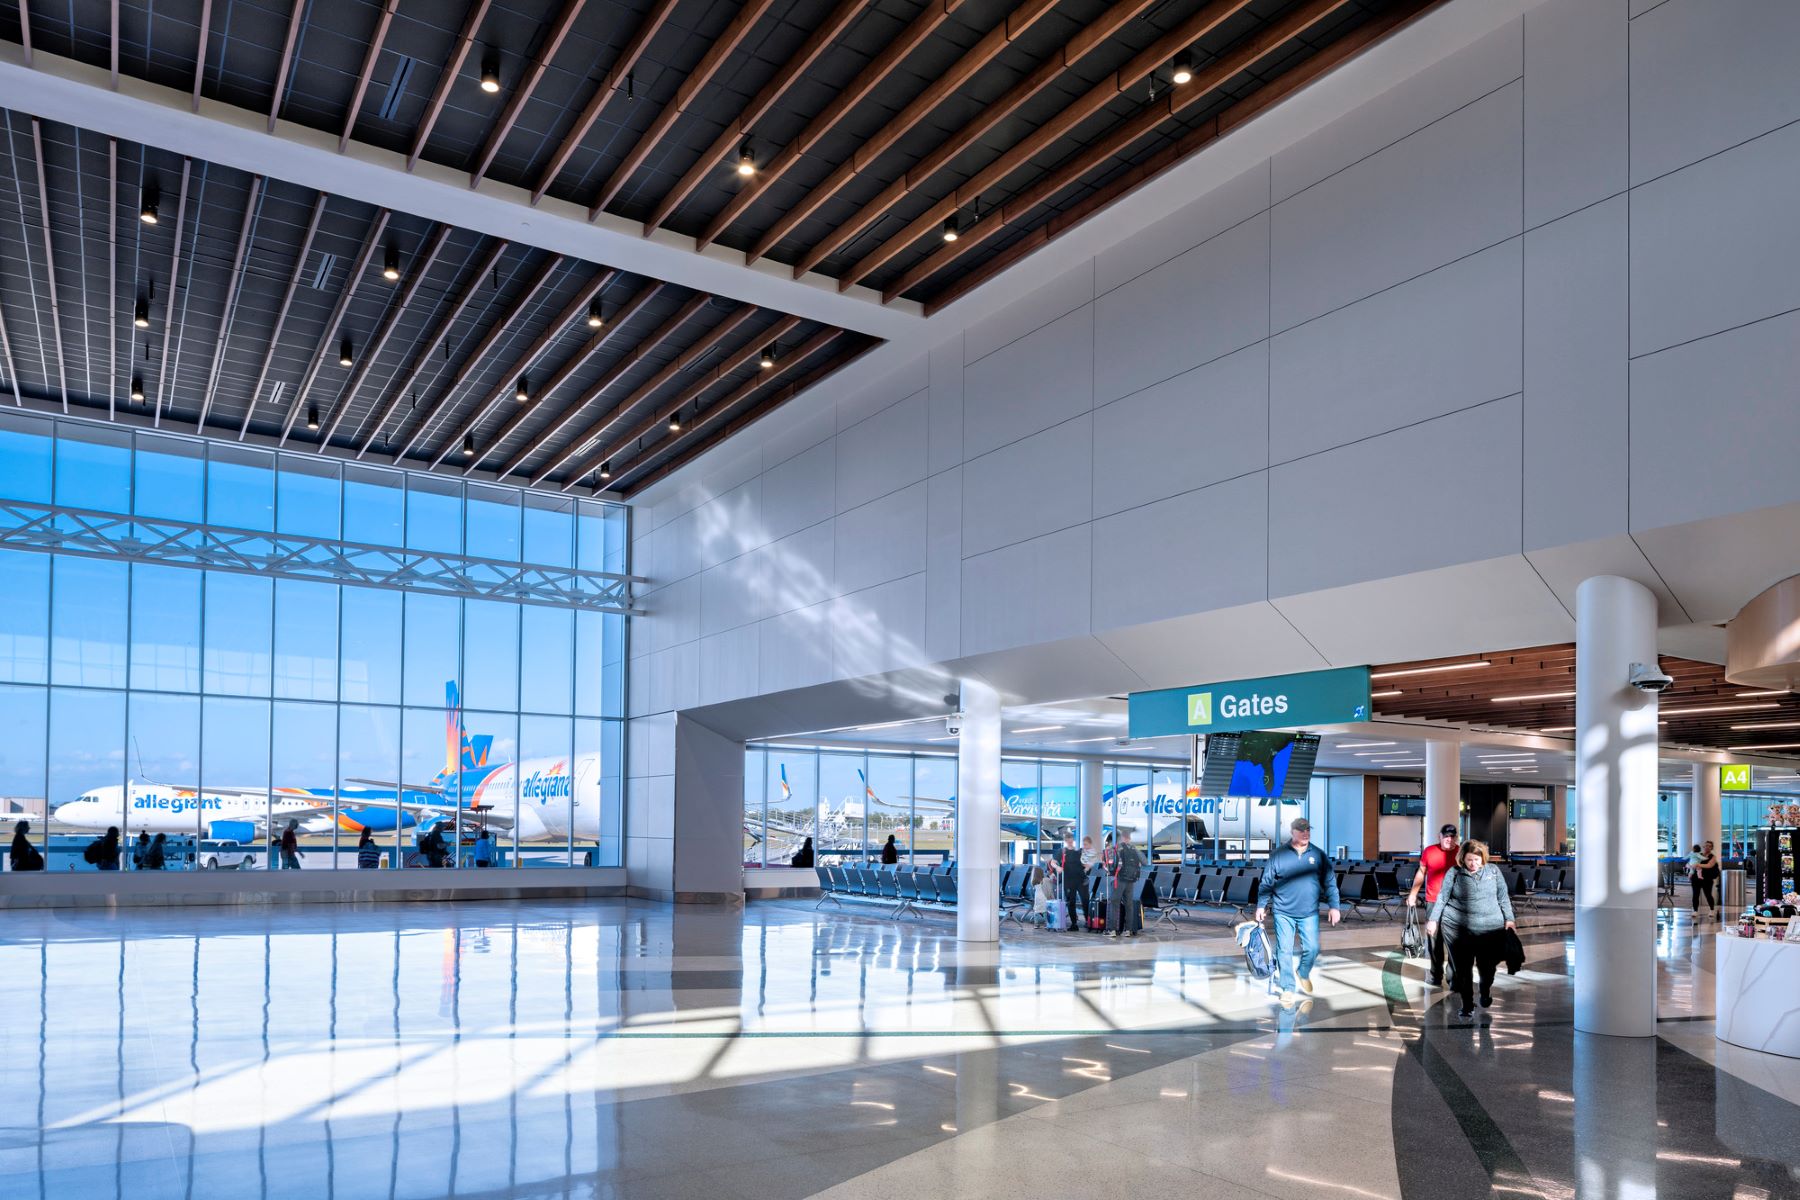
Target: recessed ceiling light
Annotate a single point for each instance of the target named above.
(1714, 708)
(1391, 692)
(1362, 745)
(1533, 696)
(1773, 692)
(1465, 666)
(1557, 729)
(1768, 746)
(1038, 729)
(1767, 725)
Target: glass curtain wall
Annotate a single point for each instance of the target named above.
(216, 707)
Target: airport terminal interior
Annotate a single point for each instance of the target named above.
(899, 598)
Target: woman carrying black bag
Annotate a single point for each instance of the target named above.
(1472, 907)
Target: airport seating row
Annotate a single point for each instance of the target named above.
(904, 889)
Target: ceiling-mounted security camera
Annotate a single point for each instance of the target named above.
(953, 724)
(1646, 677)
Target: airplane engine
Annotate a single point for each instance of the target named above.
(241, 832)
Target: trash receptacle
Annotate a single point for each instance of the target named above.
(1734, 899)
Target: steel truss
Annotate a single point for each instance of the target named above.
(58, 529)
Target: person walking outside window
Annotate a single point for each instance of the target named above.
(1294, 880)
(1471, 909)
(290, 846)
(1074, 880)
(1435, 862)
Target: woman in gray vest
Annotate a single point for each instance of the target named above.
(1472, 907)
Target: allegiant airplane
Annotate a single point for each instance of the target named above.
(544, 798)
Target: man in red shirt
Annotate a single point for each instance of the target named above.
(1434, 864)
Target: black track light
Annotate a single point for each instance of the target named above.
(675, 421)
(142, 317)
(746, 165)
(137, 387)
(523, 392)
(951, 233)
(312, 416)
(346, 353)
(147, 214)
(468, 445)
(490, 74)
(390, 270)
(606, 469)
(1183, 70)
(595, 318)
(768, 358)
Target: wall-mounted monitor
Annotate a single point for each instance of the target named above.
(1268, 766)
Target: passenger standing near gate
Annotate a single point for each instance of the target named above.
(290, 847)
(1294, 880)
(1126, 901)
(1075, 881)
(1434, 863)
(890, 852)
(1472, 908)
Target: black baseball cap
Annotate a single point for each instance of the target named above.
(1447, 831)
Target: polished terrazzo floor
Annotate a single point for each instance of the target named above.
(637, 1050)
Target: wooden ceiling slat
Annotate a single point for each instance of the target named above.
(465, 41)
(426, 349)
(791, 72)
(365, 363)
(1115, 18)
(199, 52)
(559, 325)
(1045, 135)
(368, 70)
(282, 69)
(721, 49)
(630, 482)
(615, 75)
(644, 391)
(847, 98)
(229, 313)
(692, 394)
(941, 89)
(359, 271)
(476, 360)
(37, 145)
(522, 92)
(598, 388)
(281, 314)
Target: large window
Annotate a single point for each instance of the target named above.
(218, 706)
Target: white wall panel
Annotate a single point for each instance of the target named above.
(798, 571)
(1444, 341)
(1029, 488)
(1577, 106)
(882, 540)
(729, 663)
(1232, 202)
(1035, 591)
(799, 425)
(1202, 550)
(1440, 89)
(795, 649)
(1030, 312)
(1715, 425)
(728, 526)
(1577, 464)
(800, 491)
(1708, 74)
(944, 421)
(943, 565)
(1204, 425)
(735, 593)
(1441, 193)
(879, 629)
(1195, 308)
(858, 404)
(1033, 383)
(882, 454)
(1444, 491)
(1716, 245)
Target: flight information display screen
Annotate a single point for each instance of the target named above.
(1267, 766)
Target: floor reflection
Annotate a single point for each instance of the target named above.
(633, 1049)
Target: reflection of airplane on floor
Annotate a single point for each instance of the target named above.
(544, 798)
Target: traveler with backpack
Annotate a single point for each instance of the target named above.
(1435, 862)
(155, 855)
(1473, 908)
(103, 851)
(138, 849)
(24, 855)
(1125, 909)
(290, 846)
(1294, 880)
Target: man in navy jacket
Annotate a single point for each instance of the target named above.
(1294, 880)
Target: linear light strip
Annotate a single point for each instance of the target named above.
(1466, 666)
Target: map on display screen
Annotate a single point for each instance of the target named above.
(1270, 767)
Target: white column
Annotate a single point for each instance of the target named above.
(978, 815)
(1093, 784)
(1615, 810)
(1682, 822)
(1703, 813)
(1443, 788)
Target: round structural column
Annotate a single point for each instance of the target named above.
(1093, 784)
(1704, 823)
(1443, 788)
(978, 815)
(1615, 810)
(1685, 830)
